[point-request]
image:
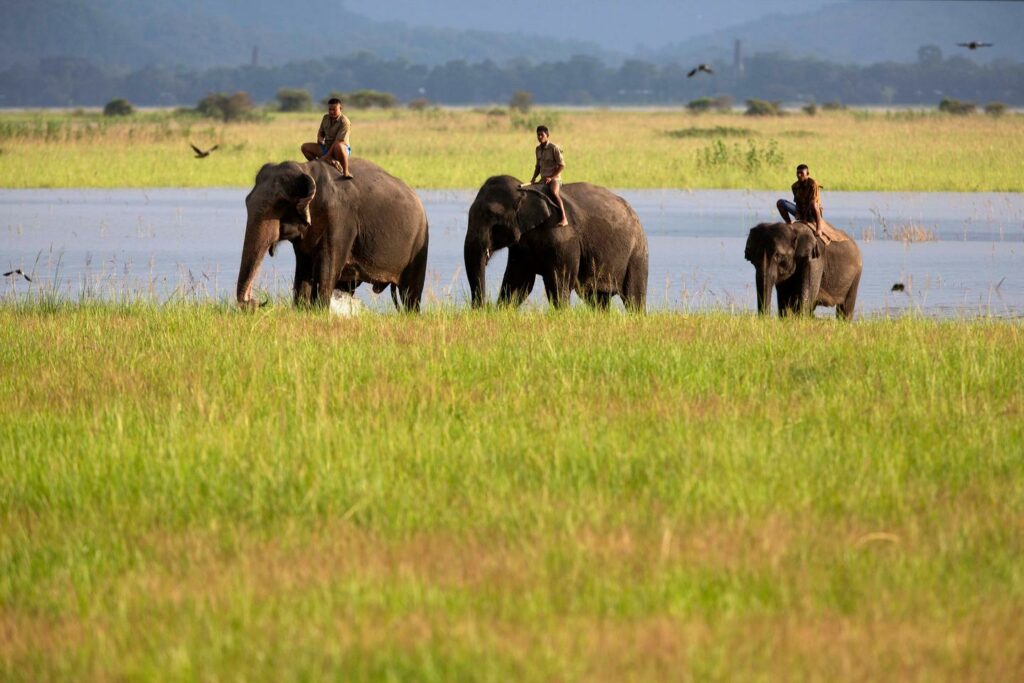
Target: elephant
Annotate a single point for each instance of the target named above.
(371, 228)
(805, 272)
(601, 253)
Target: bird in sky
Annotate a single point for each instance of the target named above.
(898, 287)
(974, 45)
(700, 67)
(202, 154)
(17, 272)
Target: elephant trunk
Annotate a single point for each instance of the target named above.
(259, 236)
(476, 253)
(765, 283)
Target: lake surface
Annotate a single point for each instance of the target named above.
(186, 244)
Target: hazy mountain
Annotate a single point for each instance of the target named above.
(133, 33)
(616, 25)
(210, 33)
(867, 32)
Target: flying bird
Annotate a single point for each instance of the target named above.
(16, 273)
(202, 154)
(898, 287)
(974, 45)
(700, 67)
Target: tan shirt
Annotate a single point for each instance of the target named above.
(334, 130)
(806, 194)
(549, 158)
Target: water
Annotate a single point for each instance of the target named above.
(186, 244)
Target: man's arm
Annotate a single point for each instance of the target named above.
(536, 172)
(321, 135)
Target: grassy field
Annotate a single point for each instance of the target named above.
(847, 150)
(192, 493)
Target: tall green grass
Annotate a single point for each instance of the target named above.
(851, 150)
(188, 492)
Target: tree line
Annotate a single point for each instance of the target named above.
(580, 80)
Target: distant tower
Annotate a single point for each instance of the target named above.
(255, 55)
(737, 57)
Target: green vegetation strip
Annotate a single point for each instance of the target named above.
(445, 148)
(189, 492)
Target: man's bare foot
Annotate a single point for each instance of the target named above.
(563, 223)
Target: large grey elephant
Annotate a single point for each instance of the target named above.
(804, 272)
(601, 253)
(371, 228)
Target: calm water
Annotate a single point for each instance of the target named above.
(173, 243)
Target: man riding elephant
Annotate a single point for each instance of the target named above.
(331, 140)
(550, 164)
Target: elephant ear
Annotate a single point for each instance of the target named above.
(300, 190)
(533, 208)
(806, 245)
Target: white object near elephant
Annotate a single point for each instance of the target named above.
(344, 305)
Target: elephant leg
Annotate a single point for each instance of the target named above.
(558, 284)
(788, 298)
(410, 284)
(302, 288)
(518, 281)
(844, 311)
(601, 300)
(562, 277)
(334, 253)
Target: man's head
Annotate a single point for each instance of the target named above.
(542, 134)
(802, 172)
(334, 107)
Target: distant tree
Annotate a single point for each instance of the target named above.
(995, 108)
(811, 109)
(701, 104)
(370, 99)
(419, 104)
(118, 107)
(756, 107)
(929, 54)
(225, 107)
(294, 99)
(833, 105)
(956, 107)
(521, 101)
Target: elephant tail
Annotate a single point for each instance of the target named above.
(394, 296)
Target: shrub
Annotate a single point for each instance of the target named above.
(419, 104)
(956, 107)
(834, 105)
(701, 104)
(294, 99)
(811, 109)
(521, 101)
(225, 107)
(751, 159)
(118, 107)
(757, 107)
(369, 99)
(995, 108)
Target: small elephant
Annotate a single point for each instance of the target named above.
(805, 272)
(371, 228)
(601, 253)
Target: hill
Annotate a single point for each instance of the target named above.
(866, 33)
(192, 33)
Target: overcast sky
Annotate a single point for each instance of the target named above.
(617, 24)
